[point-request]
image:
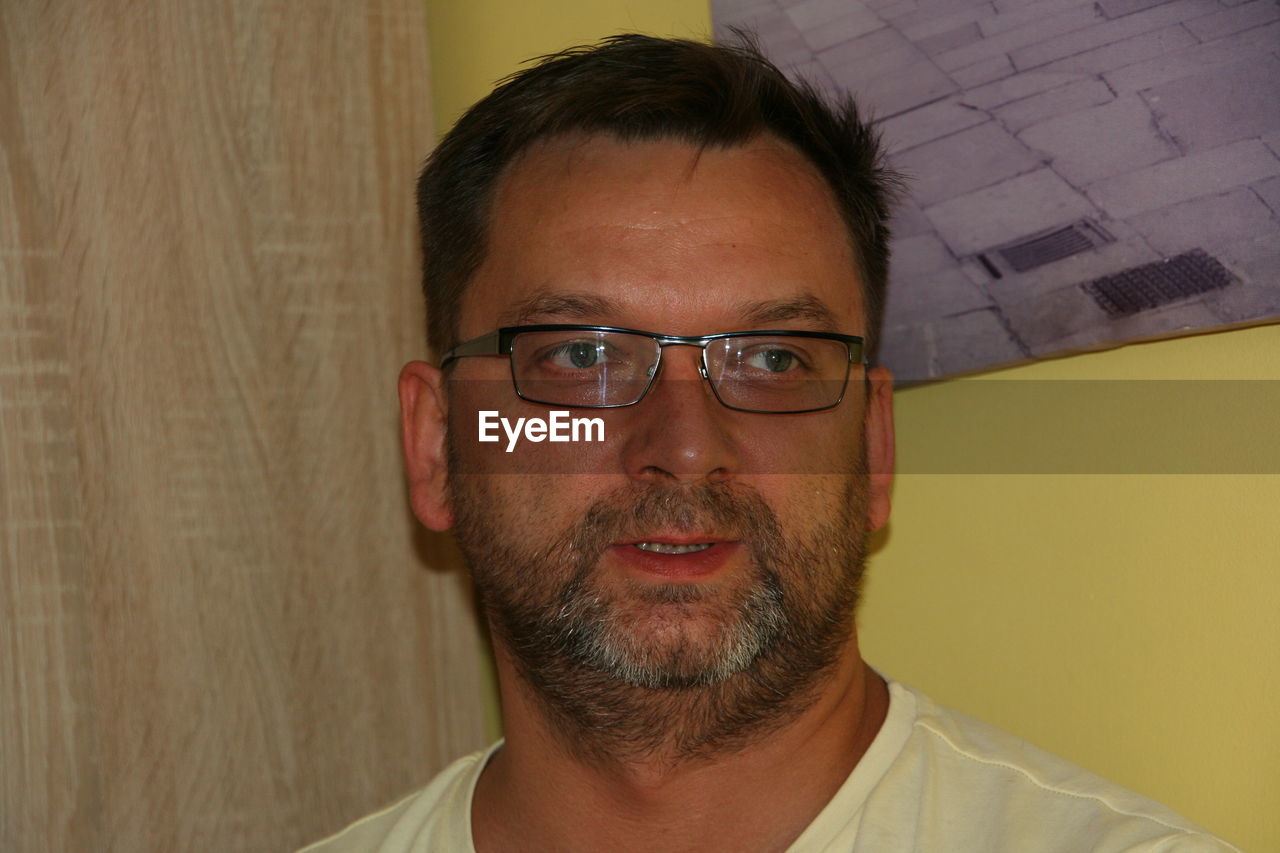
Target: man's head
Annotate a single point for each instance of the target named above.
(636, 88)
(689, 579)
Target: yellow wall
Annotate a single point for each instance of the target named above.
(474, 43)
(1126, 622)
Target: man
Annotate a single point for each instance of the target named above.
(673, 239)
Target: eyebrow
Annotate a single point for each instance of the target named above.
(544, 305)
(804, 307)
(579, 305)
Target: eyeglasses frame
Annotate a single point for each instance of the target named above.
(499, 342)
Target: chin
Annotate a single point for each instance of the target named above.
(681, 635)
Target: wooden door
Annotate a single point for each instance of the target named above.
(220, 628)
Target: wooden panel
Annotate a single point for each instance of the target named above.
(219, 626)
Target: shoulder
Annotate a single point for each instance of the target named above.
(435, 817)
(966, 779)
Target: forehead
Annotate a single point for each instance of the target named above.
(662, 235)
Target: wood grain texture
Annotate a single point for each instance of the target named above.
(219, 626)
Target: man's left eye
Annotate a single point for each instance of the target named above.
(773, 360)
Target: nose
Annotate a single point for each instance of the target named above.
(679, 432)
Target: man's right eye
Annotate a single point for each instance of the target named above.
(577, 355)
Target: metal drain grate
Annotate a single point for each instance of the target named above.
(1062, 243)
(1152, 285)
(1044, 247)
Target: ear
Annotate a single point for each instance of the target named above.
(423, 423)
(880, 447)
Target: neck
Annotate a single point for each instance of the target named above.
(661, 777)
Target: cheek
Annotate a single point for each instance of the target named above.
(811, 470)
(523, 496)
(805, 502)
(818, 445)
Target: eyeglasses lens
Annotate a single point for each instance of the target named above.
(778, 373)
(582, 368)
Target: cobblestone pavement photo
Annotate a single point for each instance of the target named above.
(1081, 172)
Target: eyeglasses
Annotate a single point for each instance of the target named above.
(604, 367)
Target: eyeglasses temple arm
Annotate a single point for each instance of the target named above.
(490, 344)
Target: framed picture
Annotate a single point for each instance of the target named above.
(1081, 173)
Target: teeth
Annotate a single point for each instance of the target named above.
(663, 548)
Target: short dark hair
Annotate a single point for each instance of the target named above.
(639, 88)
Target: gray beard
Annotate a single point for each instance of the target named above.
(612, 696)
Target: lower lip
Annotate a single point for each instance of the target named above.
(695, 564)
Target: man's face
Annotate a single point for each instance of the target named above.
(695, 542)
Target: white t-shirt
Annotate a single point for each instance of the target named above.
(933, 780)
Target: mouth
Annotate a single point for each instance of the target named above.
(666, 548)
(676, 557)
